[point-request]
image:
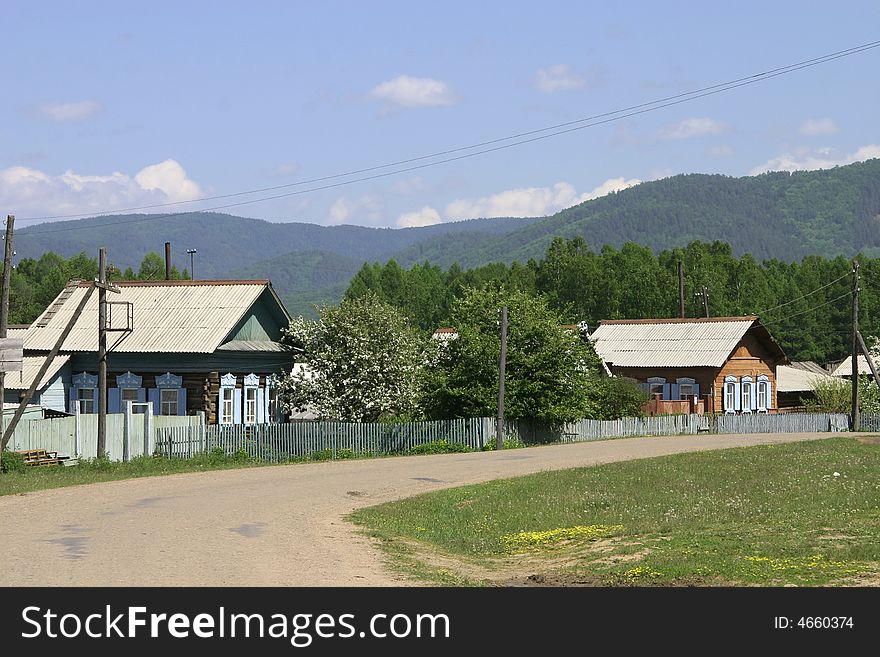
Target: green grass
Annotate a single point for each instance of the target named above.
(766, 515)
(27, 478)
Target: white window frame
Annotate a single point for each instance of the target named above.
(227, 416)
(227, 400)
(87, 405)
(163, 392)
(681, 393)
(730, 396)
(764, 389)
(250, 405)
(746, 396)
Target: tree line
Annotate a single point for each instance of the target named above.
(806, 305)
(35, 282)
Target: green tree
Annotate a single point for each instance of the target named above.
(362, 362)
(548, 369)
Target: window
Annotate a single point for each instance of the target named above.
(84, 393)
(250, 405)
(169, 395)
(685, 390)
(657, 386)
(747, 397)
(765, 400)
(729, 396)
(762, 396)
(226, 416)
(86, 397)
(168, 401)
(129, 395)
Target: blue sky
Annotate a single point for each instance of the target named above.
(114, 105)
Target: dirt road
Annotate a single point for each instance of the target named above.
(274, 526)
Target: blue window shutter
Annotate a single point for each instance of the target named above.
(113, 402)
(236, 406)
(261, 405)
(142, 395)
(665, 391)
(71, 398)
(754, 398)
(697, 390)
(181, 401)
(769, 395)
(154, 400)
(676, 388)
(737, 404)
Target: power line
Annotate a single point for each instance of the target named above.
(804, 296)
(801, 312)
(533, 136)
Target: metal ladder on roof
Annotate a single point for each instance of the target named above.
(66, 293)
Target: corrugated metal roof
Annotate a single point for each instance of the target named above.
(169, 316)
(797, 379)
(845, 367)
(30, 366)
(669, 343)
(251, 345)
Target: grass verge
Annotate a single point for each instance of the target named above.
(24, 479)
(796, 514)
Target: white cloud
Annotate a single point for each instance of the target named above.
(427, 216)
(33, 192)
(363, 211)
(816, 127)
(689, 128)
(557, 78)
(721, 150)
(169, 178)
(406, 91)
(531, 201)
(804, 160)
(78, 111)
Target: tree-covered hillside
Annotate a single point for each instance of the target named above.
(776, 215)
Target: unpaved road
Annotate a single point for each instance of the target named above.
(274, 526)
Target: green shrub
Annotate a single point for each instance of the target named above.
(440, 447)
(510, 442)
(12, 462)
(328, 455)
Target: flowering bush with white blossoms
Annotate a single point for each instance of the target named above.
(362, 363)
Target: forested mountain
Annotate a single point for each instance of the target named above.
(227, 243)
(774, 215)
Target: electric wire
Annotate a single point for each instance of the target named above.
(533, 136)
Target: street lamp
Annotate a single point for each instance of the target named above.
(192, 269)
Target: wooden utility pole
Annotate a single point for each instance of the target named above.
(502, 363)
(102, 351)
(4, 316)
(45, 367)
(680, 289)
(867, 354)
(855, 347)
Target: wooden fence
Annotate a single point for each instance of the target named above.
(282, 442)
(187, 436)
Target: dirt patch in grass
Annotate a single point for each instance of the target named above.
(869, 440)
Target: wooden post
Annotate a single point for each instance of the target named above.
(4, 316)
(867, 354)
(167, 261)
(102, 352)
(855, 347)
(45, 367)
(680, 289)
(502, 364)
